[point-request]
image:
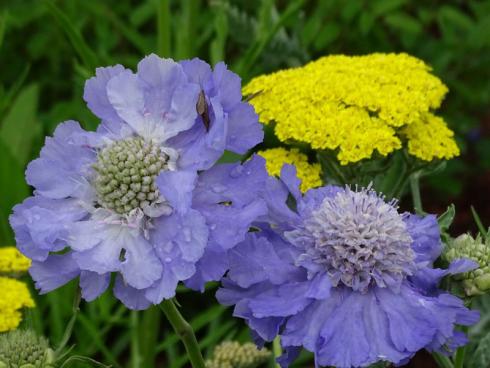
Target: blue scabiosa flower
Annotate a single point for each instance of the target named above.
(344, 275)
(140, 196)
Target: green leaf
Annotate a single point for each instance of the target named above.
(366, 22)
(479, 223)
(266, 32)
(329, 33)
(87, 56)
(381, 7)
(218, 44)
(446, 219)
(13, 189)
(164, 28)
(403, 22)
(3, 26)
(20, 127)
(481, 356)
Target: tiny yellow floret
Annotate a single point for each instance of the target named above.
(14, 297)
(355, 105)
(310, 174)
(11, 260)
(430, 139)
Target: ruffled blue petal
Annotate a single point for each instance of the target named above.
(187, 235)
(93, 284)
(211, 267)
(228, 86)
(426, 237)
(55, 271)
(427, 279)
(244, 131)
(256, 259)
(63, 165)
(132, 298)
(41, 225)
(160, 78)
(181, 242)
(292, 182)
(95, 93)
(141, 266)
(177, 187)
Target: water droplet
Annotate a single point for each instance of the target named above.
(212, 226)
(237, 171)
(187, 234)
(218, 188)
(168, 260)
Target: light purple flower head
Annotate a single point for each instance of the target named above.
(346, 276)
(140, 197)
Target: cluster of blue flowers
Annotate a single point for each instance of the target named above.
(337, 271)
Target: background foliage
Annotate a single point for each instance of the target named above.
(49, 48)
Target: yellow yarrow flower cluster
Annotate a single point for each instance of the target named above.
(357, 105)
(14, 295)
(310, 174)
(13, 298)
(11, 260)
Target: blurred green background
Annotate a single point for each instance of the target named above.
(49, 48)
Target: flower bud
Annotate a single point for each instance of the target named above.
(232, 354)
(24, 349)
(475, 282)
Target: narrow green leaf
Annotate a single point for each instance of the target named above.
(20, 127)
(481, 356)
(404, 22)
(382, 7)
(13, 188)
(164, 28)
(479, 223)
(3, 26)
(446, 219)
(221, 30)
(87, 56)
(186, 35)
(265, 34)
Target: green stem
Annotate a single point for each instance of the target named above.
(442, 361)
(163, 28)
(331, 169)
(184, 330)
(276, 350)
(69, 328)
(415, 189)
(135, 341)
(459, 357)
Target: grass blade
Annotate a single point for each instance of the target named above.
(87, 56)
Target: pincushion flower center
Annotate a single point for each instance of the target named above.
(126, 173)
(361, 240)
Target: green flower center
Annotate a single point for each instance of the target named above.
(126, 173)
(24, 349)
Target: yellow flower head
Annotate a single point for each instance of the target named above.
(11, 260)
(13, 298)
(357, 105)
(14, 294)
(310, 174)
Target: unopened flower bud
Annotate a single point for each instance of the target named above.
(475, 282)
(24, 349)
(232, 354)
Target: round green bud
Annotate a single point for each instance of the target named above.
(126, 173)
(475, 282)
(24, 349)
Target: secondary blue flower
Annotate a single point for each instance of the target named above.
(140, 197)
(345, 276)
